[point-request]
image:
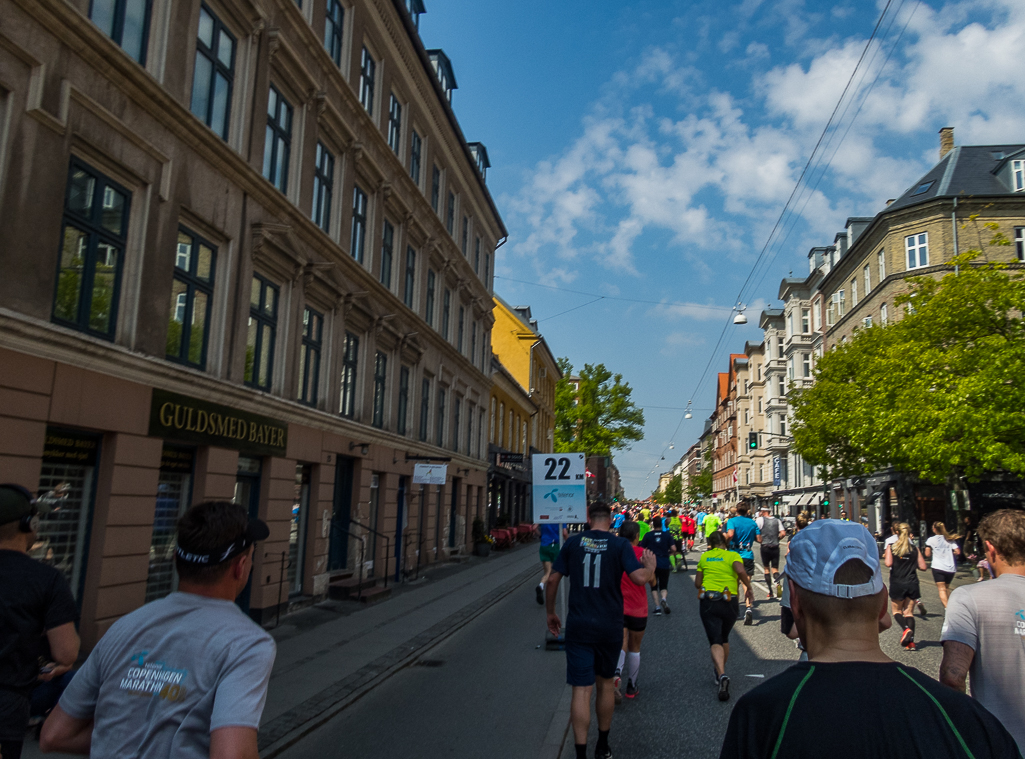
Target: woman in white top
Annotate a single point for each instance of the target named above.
(942, 548)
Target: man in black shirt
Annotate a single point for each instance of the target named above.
(594, 561)
(38, 641)
(839, 605)
(663, 544)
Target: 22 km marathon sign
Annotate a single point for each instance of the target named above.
(560, 488)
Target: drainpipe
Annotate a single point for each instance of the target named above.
(953, 224)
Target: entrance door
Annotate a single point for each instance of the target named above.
(338, 550)
(247, 494)
(297, 528)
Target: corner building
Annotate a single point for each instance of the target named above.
(247, 255)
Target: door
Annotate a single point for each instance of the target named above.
(338, 550)
(297, 528)
(247, 494)
(174, 494)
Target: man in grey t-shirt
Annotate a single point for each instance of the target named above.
(183, 677)
(984, 630)
(769, 533)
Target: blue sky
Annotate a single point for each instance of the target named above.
(645, 150)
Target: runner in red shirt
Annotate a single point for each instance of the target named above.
(635, 620)
(690, 527)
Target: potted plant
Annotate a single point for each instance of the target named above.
(481, 540)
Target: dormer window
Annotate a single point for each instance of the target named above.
(480, 157)
(1018, 175)
(443, 70)
(415, 8)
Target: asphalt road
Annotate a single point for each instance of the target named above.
(489, 690)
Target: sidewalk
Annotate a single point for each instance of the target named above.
(332, 654)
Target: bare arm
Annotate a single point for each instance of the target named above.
(551, 589)
(738, 567)
(234, 743)
(64, 644)
(928, 552)
(646, 573)
(957, 660)
(699, 576)
(921, 563)
(888, 557)
(62, 732)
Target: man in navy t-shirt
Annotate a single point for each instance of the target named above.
(662, 543)
(594, 561)
(741, 533)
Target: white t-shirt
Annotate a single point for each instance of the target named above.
(942, 553)
(890, 540)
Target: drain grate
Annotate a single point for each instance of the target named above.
(428, 663)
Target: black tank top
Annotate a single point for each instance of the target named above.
(905, 568)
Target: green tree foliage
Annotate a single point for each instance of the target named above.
(600, 417)
(673, 492)
(700, 486)
(937, 393)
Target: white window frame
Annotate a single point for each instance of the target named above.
(1019, 242)
(1018, 175)
(884, 315)
(881, 260)
(806, 364)
(854, 292)
(805, 321)
(914, 245)
(868, 279)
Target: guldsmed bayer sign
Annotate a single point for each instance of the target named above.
(560, 488)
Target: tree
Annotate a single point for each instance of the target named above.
(701, 484)
(937, 394)
(597, 418)
(673, 492)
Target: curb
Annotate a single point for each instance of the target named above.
(287, 729)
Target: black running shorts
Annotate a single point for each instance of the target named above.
(662, 579)
(938, 575)
(635, 624)
(770, 557)
(586, 660)
(749, 566)
(718, 618)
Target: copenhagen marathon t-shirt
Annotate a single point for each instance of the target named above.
(744, 532)
(661, 544)
(594, 561)
(166, 675)
(769, 531)
(989, 617)
(900, 712)
(635, 597)
(942, 553)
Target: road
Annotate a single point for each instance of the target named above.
(490, 690)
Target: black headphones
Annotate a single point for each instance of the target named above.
(29, 522)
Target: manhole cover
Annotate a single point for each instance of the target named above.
(428, 663)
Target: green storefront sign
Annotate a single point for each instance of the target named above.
(191, 420)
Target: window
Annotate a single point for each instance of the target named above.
(380, 375)
(790, 324)
(416, 147)
(92, 252)
(457, 408)
(403, 408)
(323, 183)
(425, 408)
(359, 223)
(476, 258)
(805, 321)
(818, 315)
(191, 293)
(440, 420)
(407, 290)
(469, 429)
(459, 329)
(277, 141)
(779, 348)
(387, 241)
(309, 357)
(487, 269)
(782, 386)
(854, 293)
(464, 242)
(435, 188)
(1018, 173)
(1019, 242)
(917, 247)
(335, 15)
(922, 188)
(782, 425)
(263, 323)
(480, 433)
(841, 301)
(366, 81)
(429, 306)
(806, 365)
(350, 365)
(881, 261)
(884, 317)
(473, 343)
(866, 322)
(126, 22)
(790, 368)
(450, 216)
(394, 124)
(214, 73)
(759, 405)
(446, 306)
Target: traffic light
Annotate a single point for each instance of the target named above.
(752, 440)
(825, 501)
(777, 503)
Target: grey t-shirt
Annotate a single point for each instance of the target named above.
(166, 675)
(770, 532)
(990, 618)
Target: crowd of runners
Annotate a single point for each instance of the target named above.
(833, 603)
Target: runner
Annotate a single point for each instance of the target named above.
(741, 533)
(904, 561)
(618, 519)
(549, 551)
(710, 524)
(699, 521)
(635, 620)
(662, 544)
(716, 580)
(772, 532)
(595, 561)
(688, 528)
(890, 540)
(676, 529)
(942, 547)
(644, 526)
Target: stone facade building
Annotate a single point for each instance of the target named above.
(248, 253)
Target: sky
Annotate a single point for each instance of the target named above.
(643, 152)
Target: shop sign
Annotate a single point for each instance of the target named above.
(191, 420)
(777, 471)
(61, 448)
(176, 460)
(429, 474)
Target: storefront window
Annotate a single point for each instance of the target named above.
(174, 493)
(297, 529)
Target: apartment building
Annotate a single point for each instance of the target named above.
(261, 269)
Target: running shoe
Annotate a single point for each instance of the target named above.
(921, 609)
(540, 595)
(907, 637)
(715, 676)
(724, 688)
(665, 607)
(911, 646)
(605, 753)
(748, 620)
(632, 690)
(658, 611)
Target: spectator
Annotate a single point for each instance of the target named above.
(838, 601)
(984, 630)
(38, 641)
(185, 676)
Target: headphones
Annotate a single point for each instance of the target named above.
(29, 522)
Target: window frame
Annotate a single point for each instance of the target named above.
(357, 242)
(387, 253)
(436, 188)
(95, 233)
(409, 281)
(464, 241)
(367, 74)
(460, 328)
(380, 388)
(425, 409)
(910, 245)
(262, 320)
(416, 147)
(403, 408)
(279, 135)
(350, 376)
(439, 419)
(881, 265)
(476, 258)
(394, 124)
(1019, 242)
(457, 408)
(432, 279)
(323, 186)
(446, 308)
(1018, 175)
(217, 67)
(117, 31)
(450, 214)
(193, 283)
(334, 31)
(310, 350)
